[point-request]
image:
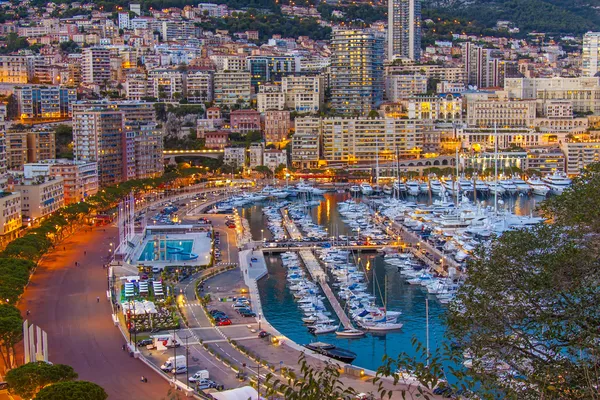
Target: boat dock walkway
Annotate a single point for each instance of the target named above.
(318, 274)
(290, 226)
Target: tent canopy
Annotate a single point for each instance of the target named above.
(242, 393)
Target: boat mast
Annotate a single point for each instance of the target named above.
(455, 181)
(495, 170)
(376, 160)
(427, 327)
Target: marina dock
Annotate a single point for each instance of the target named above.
(318, 274)
(290, 226)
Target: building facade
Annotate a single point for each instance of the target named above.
(95, 65)
(45, 102)
(404, 29)
(231, 87)
(277, 125)
(40, 197)
(591, 54)
(356, 71)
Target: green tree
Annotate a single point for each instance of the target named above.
(26, 380)
(264, 170)
(78, 390)
(11, 333)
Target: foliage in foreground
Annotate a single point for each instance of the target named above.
(26, 380)
(78, 390)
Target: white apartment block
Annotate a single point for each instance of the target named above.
(591, 54)
(270, 97)
(579, 154)
(234, 156)
(229, 62)
(303, 93)
(166, 84)
(199, 86)
(401, 87)
(274, 158)
(582, 92)
(255, 154)
(449, 74)
(362, 140)
(501, 113)
(306, 143)
(231, 87)
(40, 197)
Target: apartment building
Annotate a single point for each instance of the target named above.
(303, 93)
(80, 178)
(11, 218)
(591, 54)
(356, 71)
(41, 145)
(265, 69)
(136, 86)
(306, 143)
(438, 72)
(244, 121)
(199, 86)
(95, 65)
(231, 87)
(270, 97)
(166, 84)
(363, 140)
(40, 197)
(478, 138)
(501, 112)
(16, 150)
(147, 142)
(579, 153)
(273, 158)
(133, 111)
(234, 156)
(440, 108)
(255, 154)
(44, 102)
(13, 69)
(582, 92)
(401, 87)
(277, 125)
(545, 159)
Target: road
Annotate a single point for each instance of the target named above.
(62, 300)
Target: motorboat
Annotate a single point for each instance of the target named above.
(557, 182)
(366, 189)
(332, 351)
(436, 186)
(355, 189)
(350, 333)
(538, 186)
(522, 186)
(496, 188)
(320, 329)
(387, 190)
(413, 187)
(508, 185)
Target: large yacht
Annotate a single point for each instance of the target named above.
(557, 182)
(508, 185)
(413, 187)
(522, 186)
(538, 186)
(366, 189)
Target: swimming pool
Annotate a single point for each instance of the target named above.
(177, 250)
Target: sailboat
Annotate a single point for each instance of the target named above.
(385, 322)
(350, 332)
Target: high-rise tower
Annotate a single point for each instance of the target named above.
(404, 29)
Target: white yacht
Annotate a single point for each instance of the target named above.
(538, 186)
(413, 187)
(481, 186)
(436, 186)
(557, 182)
(522, 186)
(387, 190)
(466, 186)
(495, 187)
(355, 189)
(508, 185)
(424, 188)
(366, 189)
(399, 187)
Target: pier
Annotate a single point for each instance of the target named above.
(290, 226)
(318, 274)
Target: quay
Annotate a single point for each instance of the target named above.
(318, 274)
(290, 226)
(292, 247)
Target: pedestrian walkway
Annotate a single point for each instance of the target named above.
(316, 272)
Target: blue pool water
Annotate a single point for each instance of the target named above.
(177, 250)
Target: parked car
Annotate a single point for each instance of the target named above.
(199, 376)
(181, 369)
(204, 384)
(247, 313)
(144, 342)
(224, 322)
(263, 334)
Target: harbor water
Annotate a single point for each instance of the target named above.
(282, 312)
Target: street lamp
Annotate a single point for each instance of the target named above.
(259, 318)
(262, 232)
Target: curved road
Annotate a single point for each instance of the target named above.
(62, 301)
